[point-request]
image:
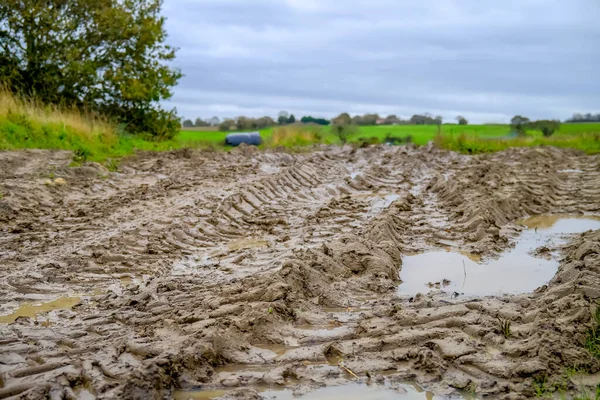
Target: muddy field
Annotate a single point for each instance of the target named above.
(197, 274)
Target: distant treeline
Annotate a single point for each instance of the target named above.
(284, 118)
(584, 118)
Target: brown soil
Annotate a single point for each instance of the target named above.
(225, 270)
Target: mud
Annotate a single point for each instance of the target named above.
(234, 272)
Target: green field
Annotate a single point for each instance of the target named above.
(25, 124)
(420, 134)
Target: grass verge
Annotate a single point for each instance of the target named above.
(587, 142)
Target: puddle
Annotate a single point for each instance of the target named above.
(562, 223)
(570, 170)
(383, 202)
(515, 272)
(28, 310)
(248, 243)
(353, 391)
(353, 175)
(279, 349)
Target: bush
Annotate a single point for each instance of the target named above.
(295, 135)
(344, 131)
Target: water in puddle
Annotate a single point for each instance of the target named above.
(28, 310)
(246, 244)
(383, 202)
(516, 271)
(353, 391)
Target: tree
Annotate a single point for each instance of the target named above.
(188, 123)
(291, 119)
(547, 127)
(282, 117)
(200, 123)
(107, 56)
(318, 121)
(342, 119)
(370, 119)
(438, 120)
(264, 122)
(214, 121)
(425, 119)
(462, 120)
(227, 125)
(519, 124)
(342, 127)
(392, 120)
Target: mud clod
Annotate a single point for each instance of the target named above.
(305, 252)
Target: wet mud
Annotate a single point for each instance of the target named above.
(250, 274)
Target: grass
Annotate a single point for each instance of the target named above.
(469, 139)
(592, 340)
(504, 325)
(27, 124)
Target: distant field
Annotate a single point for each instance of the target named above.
(421, 134)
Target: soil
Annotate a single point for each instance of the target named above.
(228, 270)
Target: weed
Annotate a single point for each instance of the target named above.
(1, 195)
(504, 327)
(112, 165)
(592, 340)
(540, 386)
(81, 155)
(472, 389)
(585, 395)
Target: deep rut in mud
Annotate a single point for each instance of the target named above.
(248, 270)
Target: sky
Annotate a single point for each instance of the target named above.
(485, 59)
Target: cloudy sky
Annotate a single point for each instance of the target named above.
(485, 59)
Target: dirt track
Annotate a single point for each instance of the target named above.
(185, 262)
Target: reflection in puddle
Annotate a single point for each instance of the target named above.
(353, 391)
(516, 271)
(383, 202)
(562, 223)
(31, 311)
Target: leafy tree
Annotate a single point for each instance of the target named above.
(520, 124)
(264, 122)
(425, 119)
(584, 118)
(462, 120)
(318, 121)
(188, 123)
(108, 56)
(547, 127)
(291, 119)
(342, 119)
(214, 121)
(227, 125)
(282, 117)
(392, 120)
(343, 127)
(199, 122)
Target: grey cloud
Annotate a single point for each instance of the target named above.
(484, 59)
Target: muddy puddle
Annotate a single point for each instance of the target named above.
(32, 310)
(516, 271)
(352, 391)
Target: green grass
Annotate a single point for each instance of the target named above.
(478, 138)
(27, 124)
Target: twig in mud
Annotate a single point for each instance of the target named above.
(465, 271)
(348, 370)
